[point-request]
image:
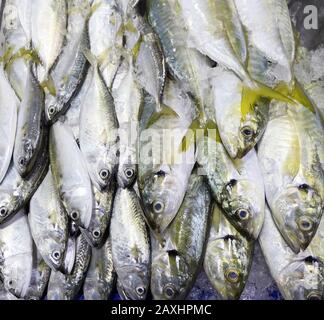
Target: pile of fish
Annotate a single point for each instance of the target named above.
(144, 141)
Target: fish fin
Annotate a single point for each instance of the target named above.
(165, 111)
(251, 95)
(49, 85)
(300, 96)
(5, 58)
(190, 135)
(23, 53)
(92, 59)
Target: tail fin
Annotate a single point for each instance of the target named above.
(300, 96)
(164, 111)
(191, 135)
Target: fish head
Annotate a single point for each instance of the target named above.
(53, 251)
(105, 171)
(127, 174)
(244, 204)
(133, 282)
(24, 156)
(52, 109)
(227, 264)
(17, 274)
(304, 278)
(96, 290)
(162, 198)
(97, 228)
(251, 128)
(297, 211)
(8, 203)
(170, 276)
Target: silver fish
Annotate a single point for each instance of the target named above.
(130, 245)
(70, 174)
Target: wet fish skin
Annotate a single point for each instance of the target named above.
(130, 245)
(16, 254)
(15, 191)
(177, 260)
(101, 276)
(49, 223)
(70, 175)
(8, 123)
(236, 187)
(228, 257)
(293, 174)
(298, 276)
(30, 127)
(68, 75)
(101, 215)
(99, 131)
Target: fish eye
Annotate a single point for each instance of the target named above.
(304, 187)
(243, 214)
(11, 283)
(129, 173)
(247, 132)
(56, 255)
(3, 211)
(51, 110)
(104, 174)
(75, 215)
(158, 207)
(96, 234)
(140, 291)
(305, 224)
(22, 161)
(232, 276)
(314, 296)
(232, 183)
(169, 291)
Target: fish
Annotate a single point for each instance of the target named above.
(101, 275)
(39, 277)
(48, 30)
(16, 247)
(129, 99)
(15, 40)
(228, 257)
(106, 37)
(66, 287)
(5, 295)
(70, 174)
(177, 260)
(298, 276)
(48, 223)
(101, 215)
(130, 245)
(237, 186)
(245, 129)
(8, 123)
(211, 26)
(164, 169)
(185, 64)
(293, 175)
(149, 58)
(269, 59)
(30, 126)
(72, 67)
(99, 130)
(15, 192)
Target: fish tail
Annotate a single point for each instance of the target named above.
(162, 111)
(208, 128)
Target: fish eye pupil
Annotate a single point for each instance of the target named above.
(140, 290)
(104, 174)
(96, 233)
(56, 255)
(22, 161)
(243, 214)
(74, 215)
(233, 275)
(3, 211)
(304, 187)
(51, 110)
(247, 132)
(129, 173)
(305, 224)
(158, 207)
